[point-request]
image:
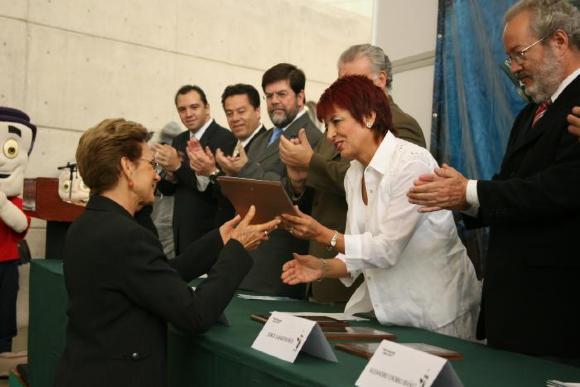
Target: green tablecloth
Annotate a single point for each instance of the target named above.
(223, 355)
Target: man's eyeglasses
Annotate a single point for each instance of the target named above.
(280, 94)
(520, 56)
(154, 164)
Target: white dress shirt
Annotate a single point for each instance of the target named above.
(417, 272)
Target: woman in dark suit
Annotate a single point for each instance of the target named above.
(122, 290)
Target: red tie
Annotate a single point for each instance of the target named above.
(540, 111)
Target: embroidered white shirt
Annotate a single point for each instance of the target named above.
(417, 272)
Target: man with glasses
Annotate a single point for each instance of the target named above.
(283, 86)
(532, 206)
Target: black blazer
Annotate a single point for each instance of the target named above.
(123, 291)
(530, 292)
(194, 212)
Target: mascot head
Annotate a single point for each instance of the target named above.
(17, 136)
(71, 187)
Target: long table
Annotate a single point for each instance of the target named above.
(223, 355)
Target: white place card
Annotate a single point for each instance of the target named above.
(284, 336)
(397, 365)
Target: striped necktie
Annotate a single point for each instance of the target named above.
(236, 151)
(276, 132)
(540, 111)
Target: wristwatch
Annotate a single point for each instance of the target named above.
(214, 175)
(333, 240)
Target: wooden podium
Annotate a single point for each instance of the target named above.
(41, 201)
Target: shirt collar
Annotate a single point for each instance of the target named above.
(565, 84)
(249, 138)
(300, 114)
(201, 130)
(382, 158)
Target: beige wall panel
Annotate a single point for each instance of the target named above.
(212, 77)
(245, 33)
(76, 80)
(13, 8)
(413, 92)
(405, 27)
(237, 28)
(52, 148)
(12, 62)
(150, 23)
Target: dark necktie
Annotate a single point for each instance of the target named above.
(540, 111)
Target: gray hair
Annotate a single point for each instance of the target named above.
(377, 58)
(547, 16)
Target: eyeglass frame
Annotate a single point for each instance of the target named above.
(520, 56)
(282, 94)
(154, 164)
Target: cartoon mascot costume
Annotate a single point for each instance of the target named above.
(17, 136)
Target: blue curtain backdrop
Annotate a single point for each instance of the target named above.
(474, 101)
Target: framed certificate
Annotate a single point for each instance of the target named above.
(269, 197)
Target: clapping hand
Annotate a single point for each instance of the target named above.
(296, 152)
(200, 160)
(167, 157)
(229, 164)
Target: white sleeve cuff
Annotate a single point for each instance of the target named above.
(202, 182)
(472, 199)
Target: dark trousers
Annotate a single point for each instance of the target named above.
(8, 294)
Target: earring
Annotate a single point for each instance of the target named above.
(369, 125)
(131, 184)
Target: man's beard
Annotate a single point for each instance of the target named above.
(283, 120)
(546, 78)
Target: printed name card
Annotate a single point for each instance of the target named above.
(397, 365)
(284, 336)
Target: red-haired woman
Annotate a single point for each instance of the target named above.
(417, 272)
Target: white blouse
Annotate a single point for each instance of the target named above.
(417, 272)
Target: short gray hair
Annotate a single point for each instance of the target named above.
(547, 16)
(377, 58)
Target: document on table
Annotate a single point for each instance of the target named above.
(264, 298)
(557, 383)
(336, 316)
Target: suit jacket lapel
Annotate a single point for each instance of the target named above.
(207, 135)
(551, 120)
(260, 131)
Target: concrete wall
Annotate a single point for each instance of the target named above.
(406, 30)
(71, 63)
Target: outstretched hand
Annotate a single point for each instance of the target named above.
(249, 235)
(301, 269)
